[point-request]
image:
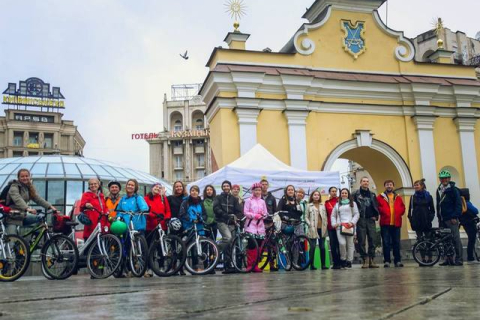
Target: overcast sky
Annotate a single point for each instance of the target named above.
(115, 59)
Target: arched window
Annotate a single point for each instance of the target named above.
(177, 126)
(199, 124)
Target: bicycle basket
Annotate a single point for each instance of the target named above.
(60, 223)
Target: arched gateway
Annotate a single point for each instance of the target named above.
(346, 85)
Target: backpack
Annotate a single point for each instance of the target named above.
(464, 202)
(4, 193)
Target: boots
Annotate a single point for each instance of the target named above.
(372, 263)
(252, 261)
(366, 263)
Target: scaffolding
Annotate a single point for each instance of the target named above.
(185, 91)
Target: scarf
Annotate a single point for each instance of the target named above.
(344, 201)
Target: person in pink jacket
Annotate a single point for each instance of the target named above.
(255, 211)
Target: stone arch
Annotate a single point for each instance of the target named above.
(363, 142)
(176, 120)
(198, 119)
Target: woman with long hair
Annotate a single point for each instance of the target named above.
(344, 218)
(175, 200)
(289, 204)
(209, 195)
(21, 192)
(316, 220)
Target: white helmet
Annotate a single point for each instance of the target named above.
(175, 224)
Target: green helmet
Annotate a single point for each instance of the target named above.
(118, 228)
(444, 174)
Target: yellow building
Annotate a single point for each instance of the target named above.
(347, 86)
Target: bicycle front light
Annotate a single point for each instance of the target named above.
(105, 229)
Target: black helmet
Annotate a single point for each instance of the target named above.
(111, 183)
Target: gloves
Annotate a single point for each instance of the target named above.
(258, 216)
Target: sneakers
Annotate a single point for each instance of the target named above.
(386, 265)
(336, 267)
(229, 271)
(445, 263)
(398, 265)
(349, 264)
(458, 263)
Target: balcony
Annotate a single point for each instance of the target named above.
(178, 150)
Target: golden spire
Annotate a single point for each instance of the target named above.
(236, 9)
(438, 24)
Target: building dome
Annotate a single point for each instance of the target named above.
(62, 179)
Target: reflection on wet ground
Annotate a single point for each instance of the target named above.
(395, 293)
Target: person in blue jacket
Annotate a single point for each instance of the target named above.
(468, 221)
(135, 203)
(449, 211)
(192, 209)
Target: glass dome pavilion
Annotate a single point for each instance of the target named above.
(61, 180)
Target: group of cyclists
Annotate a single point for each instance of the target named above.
(182, 228)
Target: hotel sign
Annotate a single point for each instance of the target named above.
(190, 133)
(33, 92)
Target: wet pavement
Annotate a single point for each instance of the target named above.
(395, 293)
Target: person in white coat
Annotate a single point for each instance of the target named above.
(344, 218)
(316, 220)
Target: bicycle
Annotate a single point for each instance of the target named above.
(298, 246)
(104, 253)
(202, 253)
(274, 248)
(58, 253)
(136, 253)
(167, 253)
(238, 249)
(439, 245)
(14, 254)
(476, 249)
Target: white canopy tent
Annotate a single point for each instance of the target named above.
(258, 163)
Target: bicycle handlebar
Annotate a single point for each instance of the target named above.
(133, 213)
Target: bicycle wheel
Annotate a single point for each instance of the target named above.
(203, 262)
(284, 257)
(476, 249)
(240, 247)
(59, 257)
(300, 251)
(267, 253)
(138, 256)
(103, 260)
(14, 257)
(426, 253)
(167, 263)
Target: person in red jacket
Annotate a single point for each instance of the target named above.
(332, 232)
(159, 208)
(92, 203)
(391, 209)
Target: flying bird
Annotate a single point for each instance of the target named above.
(185, 55)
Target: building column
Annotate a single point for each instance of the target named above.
(297, 135)
(165, 164)
(466, 131)
(247, 122)
(427, 151)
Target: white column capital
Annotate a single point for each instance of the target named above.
(247, 115)
(297, 137)
(296, 117)
(466, 124)
(247, 122)
(424, 122)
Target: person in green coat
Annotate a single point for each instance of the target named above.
(209, 194)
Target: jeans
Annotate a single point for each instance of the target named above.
(29, 220)
(391, 239)
(471, 230)
(227, 232)
(346, 246)
(455, 228)
(366, 229)
(334, 247)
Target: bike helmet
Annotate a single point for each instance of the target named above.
(256, 185)
(444, 174)
(84, 219)
(118, 228)
(111, 183)
(175, 224)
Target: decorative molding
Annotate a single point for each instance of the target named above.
(364, 138)
(296, 117)
(307, 45)
(424, 123)
(466, 124)
(361, 36)
(405, 51)
(236, 36)
(465, 95)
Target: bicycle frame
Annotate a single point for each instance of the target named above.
(194, 233)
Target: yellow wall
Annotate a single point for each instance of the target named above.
(225, 137)
(272, 133)
(447, 147)
(477, 145)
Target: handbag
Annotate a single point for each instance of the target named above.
(346, 231)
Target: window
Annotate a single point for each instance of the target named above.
(199, 124)
(177, 144)
(199, 143)
(178, 162)
(18, 139)
(179, 175)
(177, 126)
(33, 153)
(33, 138)
(56, 192)
(74, 191)
(17, 154)
(40, 187)
(200, 174)
(48, 141)
(200, 160)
